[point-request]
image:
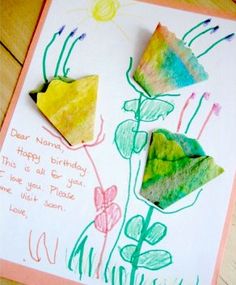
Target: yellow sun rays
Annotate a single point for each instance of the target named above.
(104, 11)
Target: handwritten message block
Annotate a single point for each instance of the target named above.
(45, 183)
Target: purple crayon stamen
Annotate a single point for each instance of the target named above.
(61, 30)
(214, 29)
(206, 22)
(81, 37)
(230, 37)
(73, 32)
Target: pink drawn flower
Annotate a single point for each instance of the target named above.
(109, 212)
(108, 215)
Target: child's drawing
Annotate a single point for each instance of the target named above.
(96, 259)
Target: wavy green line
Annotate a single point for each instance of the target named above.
(45, 56)
(192, 29)
(199, 35)
(66, 70)
(211, 47)
(194, 114)
(61, 55)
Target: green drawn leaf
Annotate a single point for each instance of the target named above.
(155, 233)
(154, 259)
(124, 138)
(131, 105)
(127, 252)
(152, 109)
(140, 141)
(134, 227)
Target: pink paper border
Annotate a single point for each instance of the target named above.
(34, 277)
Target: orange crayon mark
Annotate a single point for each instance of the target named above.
(42, 239)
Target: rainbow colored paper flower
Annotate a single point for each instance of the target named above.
(167, 64)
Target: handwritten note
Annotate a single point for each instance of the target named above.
(38, 178)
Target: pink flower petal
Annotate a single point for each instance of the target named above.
(100, 222)
(109, 217)
(98, 198)
(113, 215)
(110, 194)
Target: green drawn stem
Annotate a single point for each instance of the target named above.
(194, 114)
(45, 56)
(165, 95)
(192, 29)
(137, 116)
(156, 208)
(113, 272)
(90, 261)
(66, 70)
(199, 35)
(181, 281)
(121, 271)
(142, 280)
(211, 47)
(197, 282)
(154, 281)
(80, 250)
(61, 55)
(139, 245)
(128, 77)
(138, 119)
(122, 225)
(73, 254)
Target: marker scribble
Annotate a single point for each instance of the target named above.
(42, 241)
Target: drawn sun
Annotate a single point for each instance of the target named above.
(104, 11)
